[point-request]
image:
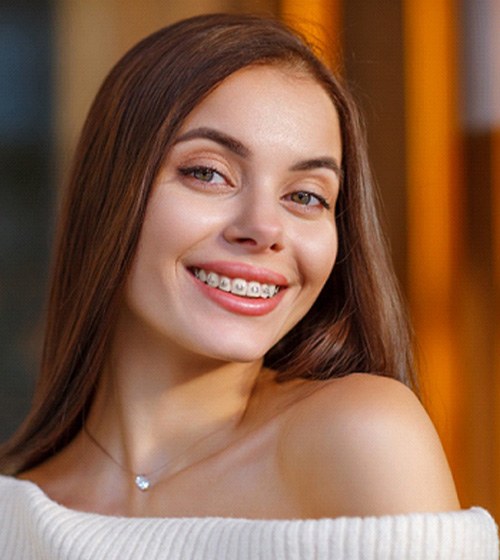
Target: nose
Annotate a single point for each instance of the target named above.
(257, 225)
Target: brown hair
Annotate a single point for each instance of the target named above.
(355, 325)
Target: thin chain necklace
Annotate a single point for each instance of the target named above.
(141, 481)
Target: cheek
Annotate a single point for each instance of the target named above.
(317, 255)
(173, 225)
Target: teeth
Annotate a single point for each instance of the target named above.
(224, 284)
(253, 289)
(265, 290)
(237, 286)
(213, 279)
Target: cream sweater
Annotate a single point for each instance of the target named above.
(33, 527)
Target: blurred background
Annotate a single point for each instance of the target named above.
(427, 76)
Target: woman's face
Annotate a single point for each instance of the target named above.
(239, 235)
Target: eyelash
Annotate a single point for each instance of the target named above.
(323, 202)
(206, 169)
(191, 172)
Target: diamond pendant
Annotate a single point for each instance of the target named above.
(142, 482)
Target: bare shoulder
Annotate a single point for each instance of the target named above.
(364, 445)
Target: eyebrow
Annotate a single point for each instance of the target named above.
(225, 140)
(241, 150)
(318, 163)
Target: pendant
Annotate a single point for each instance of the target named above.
(142, 482)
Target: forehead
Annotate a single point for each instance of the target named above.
(272, 105)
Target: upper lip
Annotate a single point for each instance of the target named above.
(243, 270)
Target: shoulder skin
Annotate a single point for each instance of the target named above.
(363, 445)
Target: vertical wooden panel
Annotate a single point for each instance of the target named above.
(85, 49)
(495, 173)
(479, 319)
(496, 303)
(319, 21)
(495, 421)
(374, 64)
(433, 203)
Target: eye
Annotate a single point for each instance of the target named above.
(304, 198)
(203, 174)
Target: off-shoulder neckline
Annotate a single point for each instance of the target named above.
(35, 489)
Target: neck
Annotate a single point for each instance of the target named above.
(151, 409)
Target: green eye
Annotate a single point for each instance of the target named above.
(302, 198)
(203, 174)
(308, 199)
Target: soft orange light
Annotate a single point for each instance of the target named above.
(496, 263)
(319, 22)
(433, 201)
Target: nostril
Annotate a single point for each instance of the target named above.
(254, 235)
(247, 241)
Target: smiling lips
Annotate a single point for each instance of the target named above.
(240, 288)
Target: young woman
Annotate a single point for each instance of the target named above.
(226, 367)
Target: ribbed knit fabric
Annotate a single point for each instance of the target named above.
(33, 527)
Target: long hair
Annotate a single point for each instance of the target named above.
(356, 323)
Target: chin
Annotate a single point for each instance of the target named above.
(235, 351)
(241, 355)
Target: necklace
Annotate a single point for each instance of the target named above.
(141, 481)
